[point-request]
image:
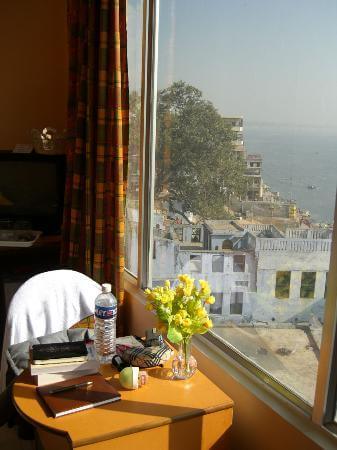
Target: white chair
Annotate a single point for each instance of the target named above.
(47, 303)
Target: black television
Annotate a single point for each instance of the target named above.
(32, 191)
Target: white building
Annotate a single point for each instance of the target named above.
(256, 273)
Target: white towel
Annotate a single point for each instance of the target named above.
(47, 303)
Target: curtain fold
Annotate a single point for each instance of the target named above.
(98, 120)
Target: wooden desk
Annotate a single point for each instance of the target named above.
(164, 414)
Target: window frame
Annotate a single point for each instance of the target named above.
(235, 303)
(239, 265)
(220, 257)
(323, 411)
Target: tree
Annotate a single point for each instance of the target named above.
(196, 168)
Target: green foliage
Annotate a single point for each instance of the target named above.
(194, 159)
(173, 335)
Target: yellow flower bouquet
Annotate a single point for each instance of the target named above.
(181, 313)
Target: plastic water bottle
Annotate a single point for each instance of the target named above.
(105, 324)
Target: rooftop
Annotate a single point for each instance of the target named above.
(254, 157)
(223, 226)
(288, 354)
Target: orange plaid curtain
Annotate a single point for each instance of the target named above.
(98, 119)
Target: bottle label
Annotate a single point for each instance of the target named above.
(106, 312)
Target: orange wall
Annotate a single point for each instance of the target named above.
(33, 74)
(255, 425)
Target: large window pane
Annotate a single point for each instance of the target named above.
(245, 171)
(282, 286)
(308, 281)
(134, 28)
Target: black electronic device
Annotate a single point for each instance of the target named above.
(119, 363)
(32, 191)
(153, 338)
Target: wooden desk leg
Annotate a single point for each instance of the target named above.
(53, 441)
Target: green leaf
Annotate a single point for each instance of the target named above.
(174, 335)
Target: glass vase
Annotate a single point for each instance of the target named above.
(184, 364)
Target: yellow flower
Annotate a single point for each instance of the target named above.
(149, 306)
(201, 312)
(184, 278)
(180, 289)
(188, 290)
(187, 322)
(208, 323)
(204, 288)
(181, 307)
(183, 313)
(210, 300)
(178, 320)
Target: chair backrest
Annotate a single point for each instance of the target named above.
(46, 303)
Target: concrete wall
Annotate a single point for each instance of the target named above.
(265, 306)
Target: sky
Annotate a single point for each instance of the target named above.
(270, 61)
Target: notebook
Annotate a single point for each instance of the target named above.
(49, 378)
(78, 399)
(56, 366)
(59, 352)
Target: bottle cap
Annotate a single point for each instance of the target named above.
(106, 288)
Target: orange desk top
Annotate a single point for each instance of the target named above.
(160, 402)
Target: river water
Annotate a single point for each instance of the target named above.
(296, 158)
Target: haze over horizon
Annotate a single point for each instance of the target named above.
(270, 62)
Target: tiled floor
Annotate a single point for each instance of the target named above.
(10, 441)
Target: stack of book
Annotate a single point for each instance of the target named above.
(62, 361)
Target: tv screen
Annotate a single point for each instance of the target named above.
(31, 190)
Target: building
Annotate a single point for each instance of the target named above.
(257, 273)
(254, 177)
(236, 126)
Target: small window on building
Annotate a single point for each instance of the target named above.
(195, 263)
(308, 281)
(217, 263)
(241, 283)
(216, 308)
(196, 234)
(154, 250)
(282, 286)
(227, 244)
(239, 263)
(179, 233)
(236, 303)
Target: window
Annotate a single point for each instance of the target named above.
(282, 285)
(241, 283)
(134, 19)
(308, 281)
(226, 244)
(216, 308)
(239, 263)
(195, 263)
(197, 175)
(236, 303)
(196, 234)
(217, 263)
